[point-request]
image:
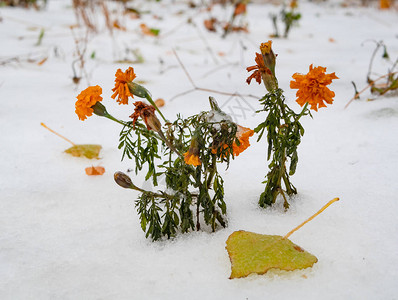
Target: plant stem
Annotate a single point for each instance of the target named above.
(310, 218)
(56, 133)
(149, 98)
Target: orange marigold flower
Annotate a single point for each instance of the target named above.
(259, 68)
(121, 89)
(192, 159)
(86, 100)
(242, 134)
(312, 87)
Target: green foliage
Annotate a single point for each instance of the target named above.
(288, 17)
(40, 38)
(192, 194)
(284, 133)
(142, 146)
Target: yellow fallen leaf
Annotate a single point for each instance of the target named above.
(88, 150)
(251, 252)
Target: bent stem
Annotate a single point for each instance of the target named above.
(310, 218)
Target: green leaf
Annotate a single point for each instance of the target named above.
(88, 150)
(258, 253)
(40, 38)
(155, 31)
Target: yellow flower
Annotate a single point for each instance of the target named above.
(86, 100)
(121, 89)
(312, 87)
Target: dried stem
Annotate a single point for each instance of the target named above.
(56, 133)
(312, 217)
(368, 86)
(196, 88)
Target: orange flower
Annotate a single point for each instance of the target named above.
(266, 48)
(121, 89)
(259, 68)
(86, 100)
(240, 8)
(242, 134)
(191, 157)
(385, 4)
(312, 87)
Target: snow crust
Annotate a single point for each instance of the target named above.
(65, 235)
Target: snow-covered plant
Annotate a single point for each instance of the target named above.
(186, 152)
(284, 130)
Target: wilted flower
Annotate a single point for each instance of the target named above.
(121, 89)
(242, 134)
(258, 69)
(312, 87)
(147, 114)
(191, 157)
(86, 100)
(265, 67)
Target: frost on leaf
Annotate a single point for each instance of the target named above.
(88, 150)
(257, 253)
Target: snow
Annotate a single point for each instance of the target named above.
(66, 235)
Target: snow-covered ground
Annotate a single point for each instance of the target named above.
(66, 235)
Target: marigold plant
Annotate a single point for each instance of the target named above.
(282, 124)
(186, 153)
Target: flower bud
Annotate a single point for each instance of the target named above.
(123, 180)
(137, 90)
(268, 75)
(99, 109)
(153, 122)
